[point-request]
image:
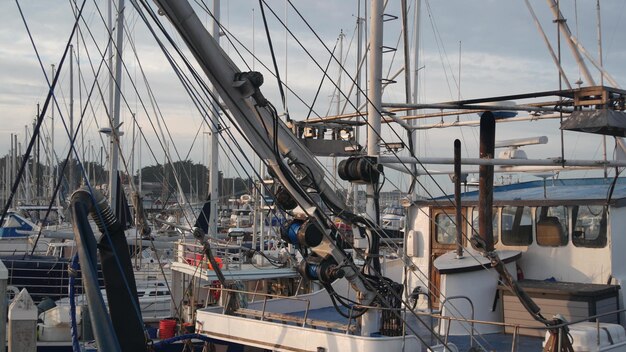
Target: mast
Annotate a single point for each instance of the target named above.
(14, 159)
(71, 182)
(139, 163)
(601, 75)
(359, 54)
(36, 170)
(412, 75)
(369, 321)
(115, 120)
(214, 137)
(52, 178)
(338, 102)
(27, 173)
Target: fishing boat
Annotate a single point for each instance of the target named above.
(522, 266)
(374, 316)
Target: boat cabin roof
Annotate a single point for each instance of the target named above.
(590, 191)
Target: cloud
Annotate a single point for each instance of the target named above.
(502, 53)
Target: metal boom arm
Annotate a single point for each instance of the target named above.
(247, 105)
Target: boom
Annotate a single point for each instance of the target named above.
(273, 141)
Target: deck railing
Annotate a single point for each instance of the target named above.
(350, 327)
(229, 256)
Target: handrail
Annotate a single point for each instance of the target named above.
(447, 299)
(256, 293)
(516, 327)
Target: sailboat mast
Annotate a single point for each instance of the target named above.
(115, 120)
(27, 173)
(52, 178)
(71, 182)
(214, 137)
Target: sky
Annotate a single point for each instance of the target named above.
(493, 44)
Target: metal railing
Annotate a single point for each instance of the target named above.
(304, 321)
(231, 256)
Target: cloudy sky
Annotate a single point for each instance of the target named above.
(501, 53)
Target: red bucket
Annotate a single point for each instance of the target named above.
(167, 328)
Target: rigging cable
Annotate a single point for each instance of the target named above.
(269, 42)
(26, 156)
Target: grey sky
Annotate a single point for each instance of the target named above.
(502, 53)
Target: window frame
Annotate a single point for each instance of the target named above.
(507, 235)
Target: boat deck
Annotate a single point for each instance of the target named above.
(489, 342)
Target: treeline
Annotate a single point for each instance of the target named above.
(159, 180)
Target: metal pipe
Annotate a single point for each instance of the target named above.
(86, 246)
(473, 106)
(477, 122)
(506, 162)
(485, 180)
(457, 198)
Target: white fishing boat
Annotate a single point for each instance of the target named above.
(463, 292)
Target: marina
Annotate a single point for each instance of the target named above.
(228, 176)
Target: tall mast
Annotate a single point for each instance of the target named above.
(27, 173)
(139, 173)
(213, 137)
(359, 54)
(115, 120)
(71, 182)
(52, 179)
(36, 169)
(407, 53)
(369, 321)
(338, 101)
(14, 158)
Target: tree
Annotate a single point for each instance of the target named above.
(193, 178)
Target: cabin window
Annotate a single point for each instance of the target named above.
(475, 227)
(589, 226)
(552, 226)
(516, 226)
(445, 229)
